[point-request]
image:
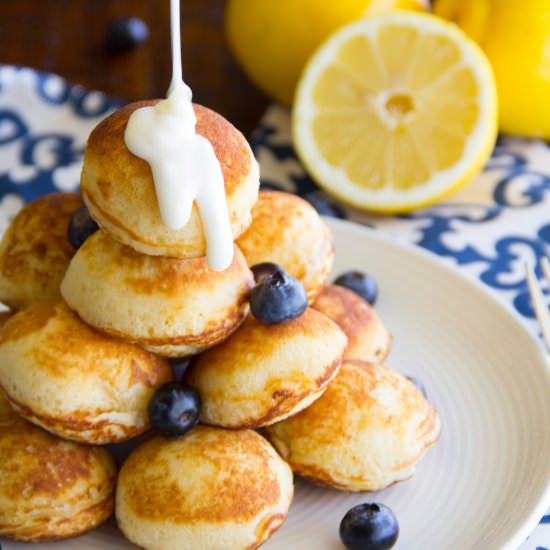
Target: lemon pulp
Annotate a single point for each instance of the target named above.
(394, 111)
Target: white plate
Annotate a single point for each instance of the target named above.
(486, 483)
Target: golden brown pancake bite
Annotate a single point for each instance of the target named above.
(5, 407)
(287, 230)
(264, 373)
(35, 250)
(50, 488)
(74, 381)
(171, 306)
(368, 430)
(212, 489)
(368, 338)
(118, 187)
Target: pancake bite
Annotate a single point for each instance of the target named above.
(287, 230)
(212, 489)
(368, 430)
(264, 373)
(35, 250)
(171, 306)
(368, 338)
(5, 407)
(74, 381)
(119, 191)
(51, 489)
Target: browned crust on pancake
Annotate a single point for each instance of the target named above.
(355, 316)
(35, 250)
(4, 316)
(266, 529)
(238, 498)
(219, 332)
(230, 146)
(73, 425)
(348, 310)
(99, 513)
(161, 275)
(288, 401)
(107, 142)
(119, 190)
(271, 215)
(95, 208)
(37, 464)
(252, 341)
(27, 321)
(316, 419)
(321, 477)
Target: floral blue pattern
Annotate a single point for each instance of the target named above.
(44, 125)
(487, 230)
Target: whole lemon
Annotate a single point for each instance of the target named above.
(272, 39)
(516, 38)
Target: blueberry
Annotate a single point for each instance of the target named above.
(418, 383)
(263, 270)
(81, 226)
(279, 297)
(369, 526)
(174, 409)
(361, 283)
(324, 205)
(126, 32)
(179, 366)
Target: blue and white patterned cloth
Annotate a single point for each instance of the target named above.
(487, 230)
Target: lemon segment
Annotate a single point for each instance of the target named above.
(395, 111)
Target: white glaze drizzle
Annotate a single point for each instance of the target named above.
(183, 163)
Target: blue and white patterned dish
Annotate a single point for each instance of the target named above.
(486, 231)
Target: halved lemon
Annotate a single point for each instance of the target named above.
(394, 112)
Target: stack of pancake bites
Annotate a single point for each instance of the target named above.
(100, 323)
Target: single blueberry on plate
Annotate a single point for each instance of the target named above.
(361, 283)
(279, 297)
(369, 526)
(263, 270)
(419, 384)
(174, 409)
(81, 226)
(124, 33)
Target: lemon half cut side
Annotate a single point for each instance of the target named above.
(395, 111)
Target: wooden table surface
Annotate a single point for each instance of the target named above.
(67, 37)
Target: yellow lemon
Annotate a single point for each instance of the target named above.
(272, 39)
(515, 35)
(395, 111)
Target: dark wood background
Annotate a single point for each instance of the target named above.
(68, 37)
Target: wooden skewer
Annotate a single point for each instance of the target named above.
(537, 299)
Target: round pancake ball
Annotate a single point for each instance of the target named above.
(288, 231)
(171, 306)
(74, 381)
(212, 489)
(50, 488)
(368, 430)
(368, 338)
(264, 373)
(35, 250)
(119, 191)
